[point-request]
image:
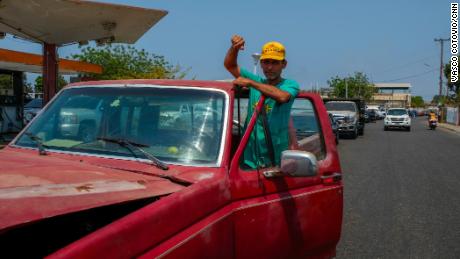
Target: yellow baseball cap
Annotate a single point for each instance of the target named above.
(273, 50)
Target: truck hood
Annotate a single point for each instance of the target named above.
(34, 187)
(343, 113)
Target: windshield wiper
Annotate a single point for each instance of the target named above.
(39, 142)
(133, 146)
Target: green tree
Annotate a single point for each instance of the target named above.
(439, 100)
(38, 86)
(358, 86)
(126, 62)
(417, 101)
(6, 81)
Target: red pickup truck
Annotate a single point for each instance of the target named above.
(152, 168)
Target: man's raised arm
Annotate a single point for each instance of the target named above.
(230, 62)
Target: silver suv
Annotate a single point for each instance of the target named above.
(397, 118)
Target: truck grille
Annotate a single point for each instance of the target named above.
(340, 119)
(397, 119)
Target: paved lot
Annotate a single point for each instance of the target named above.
(402, 196)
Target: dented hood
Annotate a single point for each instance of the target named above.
(34, 187)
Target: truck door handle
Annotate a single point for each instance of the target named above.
(331, 178)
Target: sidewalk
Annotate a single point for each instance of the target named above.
(450, 127)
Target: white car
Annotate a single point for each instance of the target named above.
(397, 118)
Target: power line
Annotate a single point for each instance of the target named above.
(407, 64)
(412, 76)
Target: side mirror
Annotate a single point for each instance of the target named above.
(298, 163)
(295, 163)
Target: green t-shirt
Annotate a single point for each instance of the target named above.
(278, 120)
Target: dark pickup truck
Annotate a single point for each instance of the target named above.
(349, 112)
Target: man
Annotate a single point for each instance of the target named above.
(432, 117)
(280, 93)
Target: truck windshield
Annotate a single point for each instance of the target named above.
(340, 106)
(177, 125)
(397, 112)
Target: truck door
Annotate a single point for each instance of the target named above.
(283, 216)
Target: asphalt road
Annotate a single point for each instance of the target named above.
(402, 193)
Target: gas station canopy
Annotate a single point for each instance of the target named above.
(68, 21)
(19, 61)
(54, 23)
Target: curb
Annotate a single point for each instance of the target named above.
(450, 127)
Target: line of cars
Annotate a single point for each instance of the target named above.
(348, 117)
(373, 114)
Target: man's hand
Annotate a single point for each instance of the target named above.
(237, 42)
(243, 82)
(232, 54)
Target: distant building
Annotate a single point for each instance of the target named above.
(392, 95)
(326, 92)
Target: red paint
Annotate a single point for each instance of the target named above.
(225, 212)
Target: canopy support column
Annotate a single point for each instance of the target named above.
(50, 71)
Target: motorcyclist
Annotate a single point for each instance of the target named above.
(432, 117)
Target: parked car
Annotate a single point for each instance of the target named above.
(347, 115)
(372, 115)
(397, 118)
(382, 113)
(31, 109)
(152, 183)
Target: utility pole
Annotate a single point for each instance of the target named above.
(441, 66)
(346, 89)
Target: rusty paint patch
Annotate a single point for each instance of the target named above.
(85, 187)
(54, 190)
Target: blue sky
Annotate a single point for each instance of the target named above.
(387, 40)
